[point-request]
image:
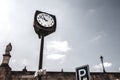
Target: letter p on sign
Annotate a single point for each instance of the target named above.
(83, 73)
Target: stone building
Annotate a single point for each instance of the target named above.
(6, 72)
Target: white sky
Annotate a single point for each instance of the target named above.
(86, 29)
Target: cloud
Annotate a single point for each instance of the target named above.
(56, 50)
(20, 64)
(13, 61)
(4, 16)
(97, 38)
(107, 64)
(119, 69)
(4, 8)
(55, 56)
(100, 35)
(99, 66)
(58, 46)
(24, 62)
(91, 10)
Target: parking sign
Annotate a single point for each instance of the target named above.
(83, 73)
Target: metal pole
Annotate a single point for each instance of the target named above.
(101, 57)
(41, 56)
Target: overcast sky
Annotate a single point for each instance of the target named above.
(86, 29)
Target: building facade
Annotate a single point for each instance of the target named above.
(6, 72)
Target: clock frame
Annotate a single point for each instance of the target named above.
(45, 20)
(43, 30)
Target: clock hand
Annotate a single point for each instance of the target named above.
(45, 19)
(42, 17)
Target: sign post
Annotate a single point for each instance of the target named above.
(83, 73)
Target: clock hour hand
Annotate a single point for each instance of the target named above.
(42, 17)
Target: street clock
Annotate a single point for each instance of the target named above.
(44, 23)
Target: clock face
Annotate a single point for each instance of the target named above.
(45, 20)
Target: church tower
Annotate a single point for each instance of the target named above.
(5, 70)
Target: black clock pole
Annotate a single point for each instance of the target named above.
(41, 52)
(41, 56)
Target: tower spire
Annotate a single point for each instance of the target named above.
(6, 56)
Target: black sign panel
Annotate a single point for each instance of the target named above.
(83, 73)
